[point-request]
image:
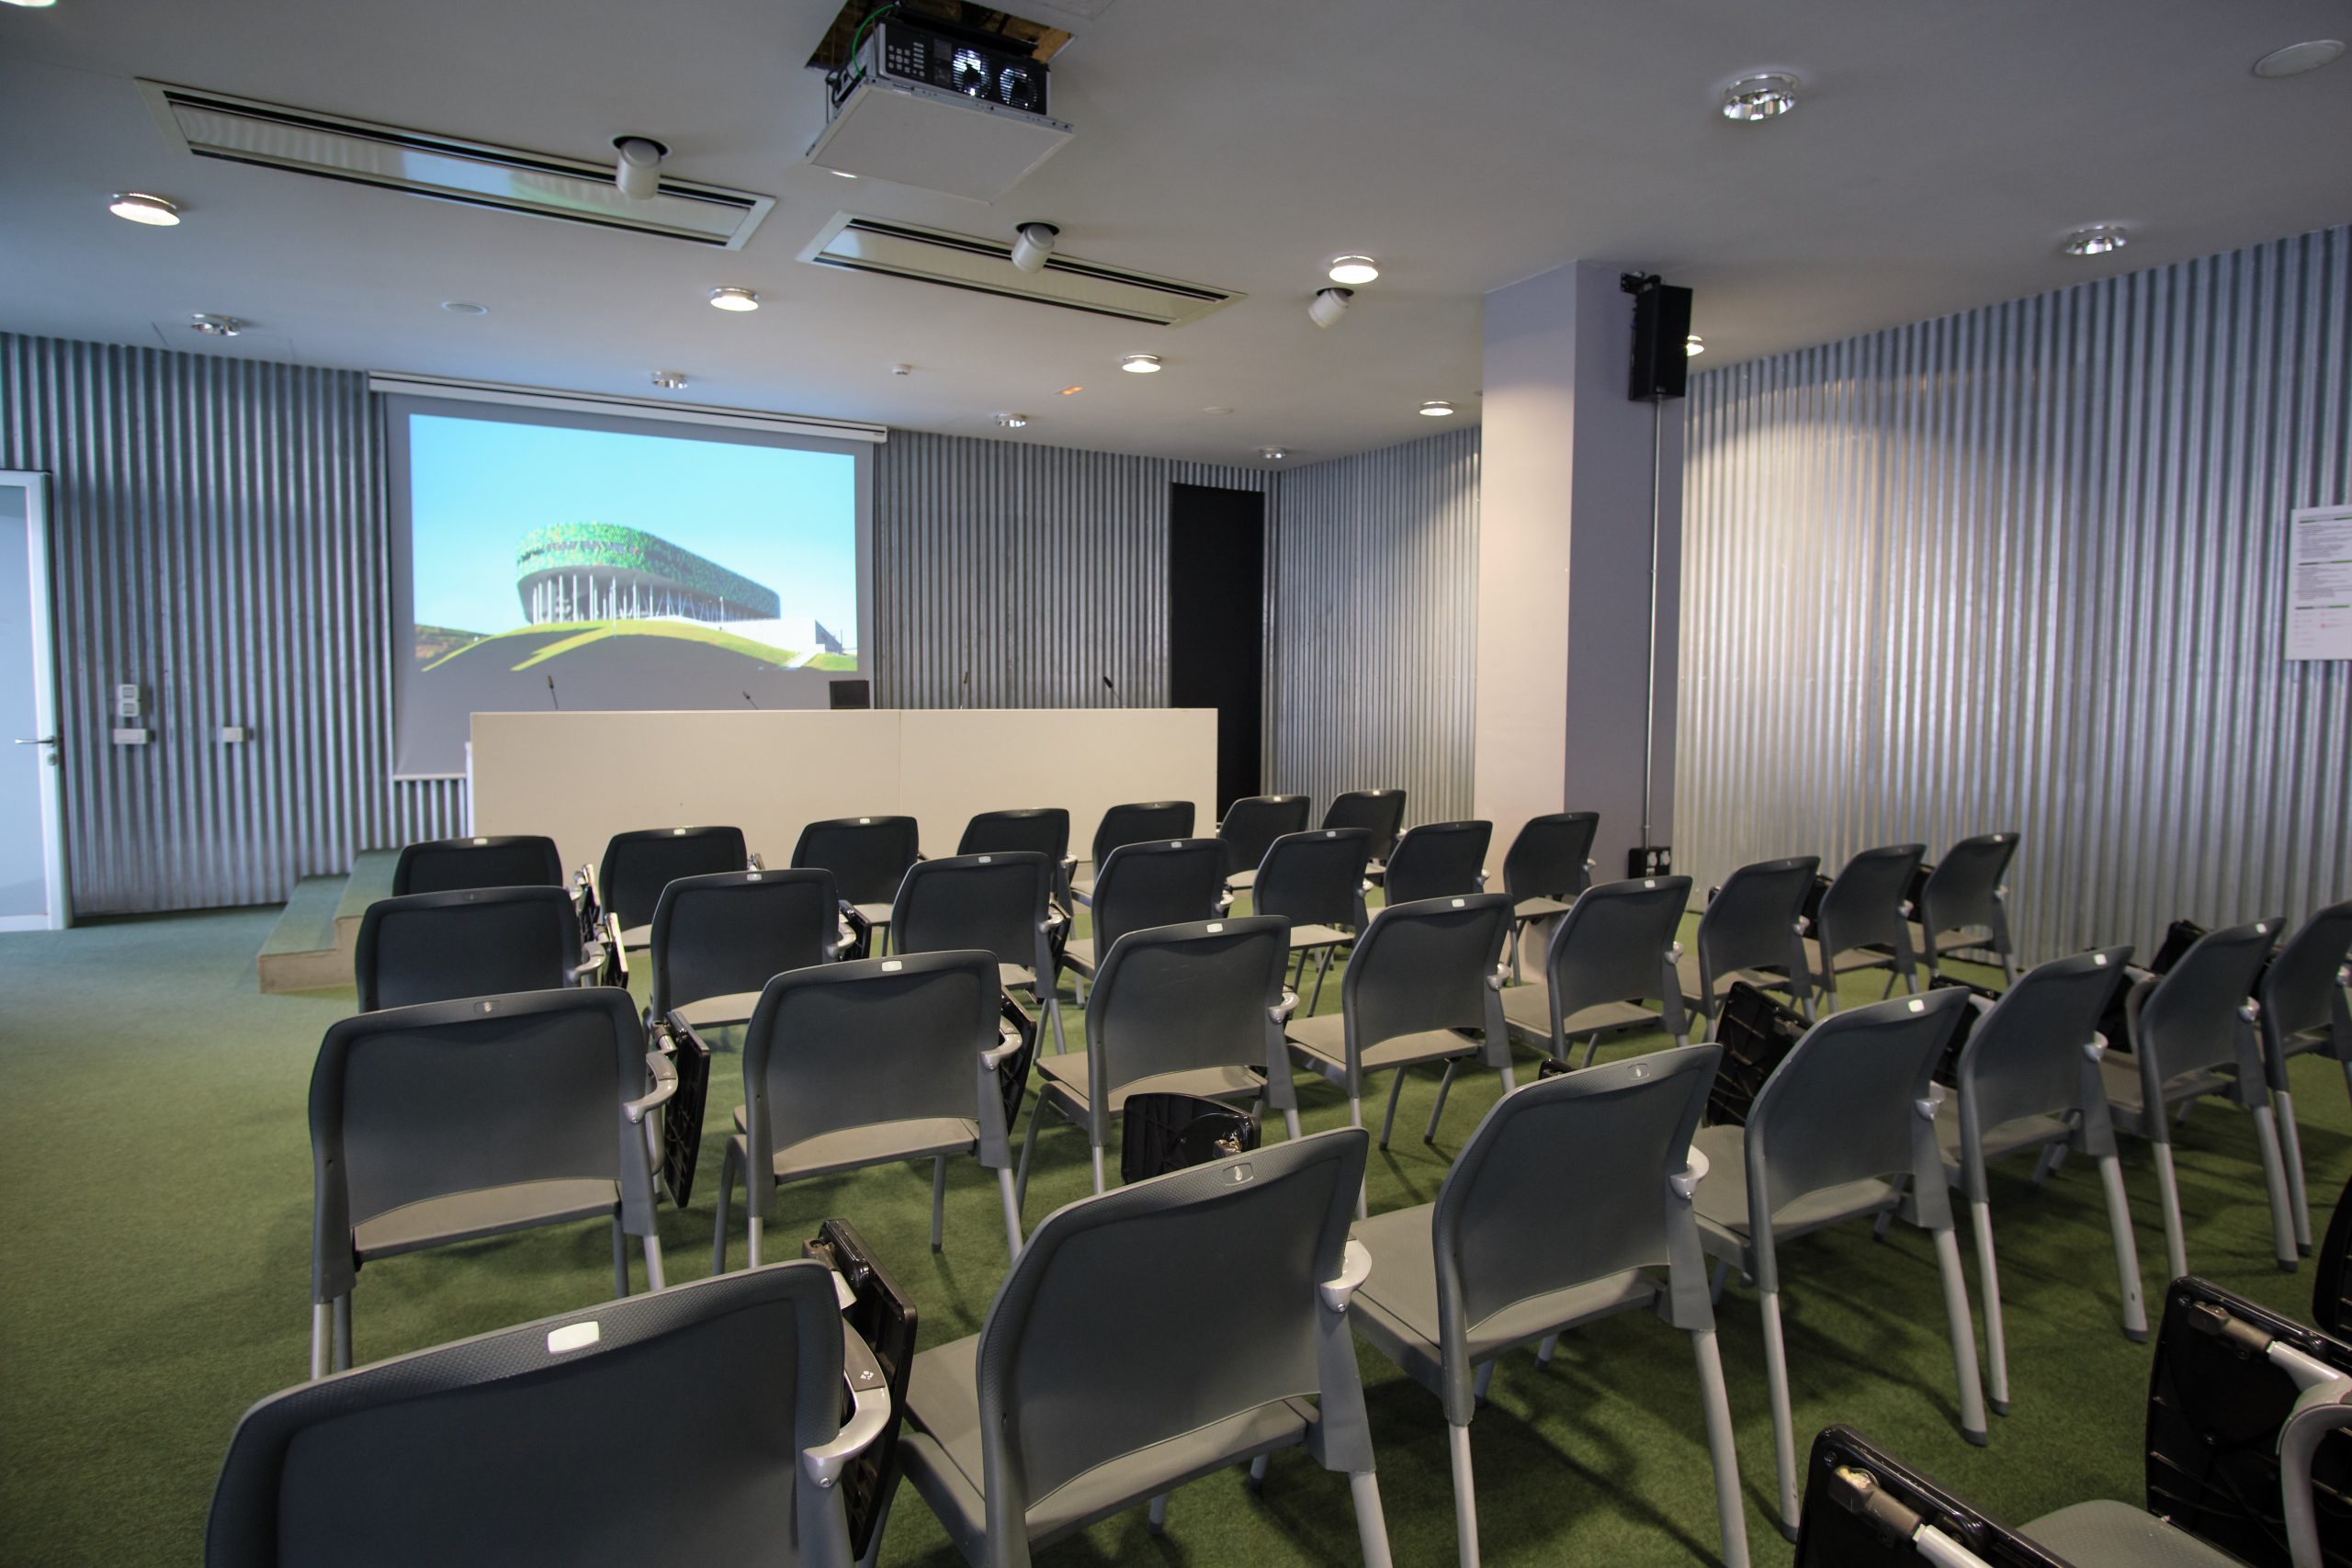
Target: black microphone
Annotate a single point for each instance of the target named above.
(747, 697)
(553, 701)
(1107, 684)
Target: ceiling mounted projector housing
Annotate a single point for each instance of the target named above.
(448, 168)
(928, 104)
(986, 267)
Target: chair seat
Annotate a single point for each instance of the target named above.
(488, 1211)
(1397, 1307)
(1083, 890)
(1309, 938)
(2117, 1535)
(878, 1143)
(1850, 961)
(1242, 881)
(1721, 1203)
(1321, 1043)
(1065, 1076)
(942, 1455)
(1686, 970)
(715, 1012)
(1537, 909)
(1078, 953)
(2126, 1095)
(2307, 1041)
(876, 915)
(636, 939)
(1527, 1010)
(2008, 1138)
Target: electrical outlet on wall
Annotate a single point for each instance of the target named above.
(126, 702)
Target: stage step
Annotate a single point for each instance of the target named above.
(370, 879)
(301, 953)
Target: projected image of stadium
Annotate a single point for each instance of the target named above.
(553, 565)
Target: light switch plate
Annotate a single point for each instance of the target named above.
(132, 737)
(236, 734)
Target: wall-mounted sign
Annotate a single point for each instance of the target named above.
(2318, 582)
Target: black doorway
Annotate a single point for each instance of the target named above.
(1216, 628)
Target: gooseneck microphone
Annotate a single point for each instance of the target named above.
(553, 701)
(747, 697)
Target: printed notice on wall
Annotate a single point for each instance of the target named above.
(2318, 582)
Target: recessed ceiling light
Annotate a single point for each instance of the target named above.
(670, 380)
(1352, 270)
(1273, 453)
(464, 307)
(1220, 409)
(1694, 346)
(2095, 240)
(841, 173)
(732, 298)
(1071, 392)
(156, 211)
(1012, 421)
(1768, 94)
(2298, 58)
(1140, 363)
(1437, 407)
(216, 326)
(33, 5)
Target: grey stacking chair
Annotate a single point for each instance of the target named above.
(1040, 829)
(1147, 1337)
(1438, 860)
(1168, 882)
(1548, 865)
(1001, 903)
(1315, 881)
(718, 939)
(1136, 822)
(1250, 828)
(1839, 1132)
(475, 942)
(455, 1120)
(1964, 894)
(2028, 1078)
(1570, 1203)
(1195, 1010)
(1752, 930)
(1616, 943)
(871, 1062)
(1424, 985)
(449, 865)
(639, 863)
(2193, 1036)
(868, 856)
(1379, 812)
(2306, 1000)
(527, 1447)
(1865, 921)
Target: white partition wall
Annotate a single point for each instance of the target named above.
(582, 777)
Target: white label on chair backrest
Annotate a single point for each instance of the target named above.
(479, 842)
(1918, 1005)
(1175, 843)
(1216, 926)
(1458, 902)
(490, 1007)
(677, 832)
(986, 860)
(2099, 959)
(1649, 882)
(891, 966)
(864, 821)
(1240, 1173)
(751, 875)
(572, 1336)
(2260, 928)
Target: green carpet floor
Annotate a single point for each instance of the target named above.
(152, 1132)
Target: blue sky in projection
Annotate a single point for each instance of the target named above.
(786, 519)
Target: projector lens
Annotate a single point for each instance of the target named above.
(971, 72)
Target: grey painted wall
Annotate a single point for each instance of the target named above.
(2022, 568)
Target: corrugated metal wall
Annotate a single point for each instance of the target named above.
(219, 539)
(1376, 584)
(2024, 567)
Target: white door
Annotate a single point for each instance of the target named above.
(33, 845)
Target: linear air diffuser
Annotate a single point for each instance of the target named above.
(448, 168)
(985, 267)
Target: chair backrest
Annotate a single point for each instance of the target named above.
(1424, 966)
(1615, 944)
(1959, 892)
(1177, 998)
(1379, 812)
(446, 865)
(729, 933)
(476, 941)
(2025, 1057)
(1252, 824)
(995, 902)
(1314, 878)
(528, 1445)
(1863, 906)
(2189, 1018)
(2303, 988)
(1549, 858)
(1438, 859)
(1037, 829)
(420, 1103)
(867, 856)
(1215, 1269)
(1138, 822)
(1168, 882)
(1840, 1106)
(857, 1044)
(1752, 919)
(639, 863)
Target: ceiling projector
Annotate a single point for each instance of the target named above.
(946, 109)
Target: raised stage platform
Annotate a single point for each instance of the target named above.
(312, 946)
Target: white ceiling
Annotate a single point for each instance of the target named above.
(1938, 155)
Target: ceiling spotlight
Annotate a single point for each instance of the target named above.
(1217, 409)
(156, 211)
(1070, 391)
(841, 173)
(464, 307)
(732, 298)
(33, 5)
(2298, 58)
(902, 368)
(1328, 305)
(1437, 407)
(1352, 270)
(670, 380)
(1766, 96)
(218, 326)
(1273, 454)
(1012, 421)
(1140, 363)
(2096, 241)
(1694, 346)
(1032, 243)
(638, 171)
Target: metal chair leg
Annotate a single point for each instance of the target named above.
(1028, 1147)
(2169, 1195)
(1731, 1513)
(1396, 1089)
(319, 1314)
(1547, 1350)
(1054, 1005)
(2274, 1177)
(1290, 1124)
(2127, 1249)
(1322, 967)
(654, 1280)
(2290, 1148)
(1963, 1338)
(620, 1261)
(1096, 1150)
(1887, 1215)
(1466, 1497)
(758, 1229)
(719, 1224)
(1258, 1471)
(1371, 1528)
(1776, 1379)
(1715, 1283)
(1485, 1377)
(1592, 1047)
(341, 1350)
(1157, 1516)
(1988, 1282)
(1011, 1213)
(938, 1199)
(1444, 1087)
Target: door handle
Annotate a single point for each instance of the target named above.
(38, 740)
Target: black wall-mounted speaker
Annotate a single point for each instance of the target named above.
(1661, 337)
(849, 694)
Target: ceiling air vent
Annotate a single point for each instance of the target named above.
(985, 267)
(448, 168)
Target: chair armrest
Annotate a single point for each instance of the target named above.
(591, 960)
(1007, 1046)
(869, 1415)
(752, 862)
(1355, 1268)
(1500, 979)
(1981, 1004)
(665, 1084)
(614, 945)
(1685, 1181)
(1281, 1011)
